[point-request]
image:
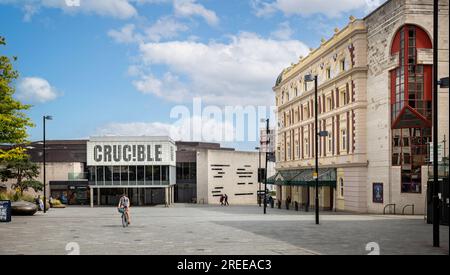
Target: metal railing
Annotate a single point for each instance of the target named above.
(389, 205)
(406, 206)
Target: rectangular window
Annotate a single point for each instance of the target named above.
(156, 174)
(116, 175)
(307, 147)
(328, 73)
(132, 171)
(330, 142)
(343, 97)
(342, 65)
(140, 174)
(100, 174)
(108, 173)
(329, 104)
(164, 173)
(149, 174)
(344, 139)
(124, 174)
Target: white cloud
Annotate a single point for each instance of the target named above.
(189, 8)
(125, 35)
(163, 28)
(284, 31)
(35, 90)
(169, 87)
(306, 8)
(122, 9)
(242, 70)
(208, 129)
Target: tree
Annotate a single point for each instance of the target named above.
(13, 121)
(24, 172)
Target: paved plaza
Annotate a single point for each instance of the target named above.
(236, 230)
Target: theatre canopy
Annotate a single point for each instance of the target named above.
(304, 177)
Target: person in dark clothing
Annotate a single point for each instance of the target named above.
(221, 199)
(288, 202)
(226, 200)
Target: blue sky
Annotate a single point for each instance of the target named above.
(120, 66)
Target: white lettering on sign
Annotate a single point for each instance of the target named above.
(130, 153)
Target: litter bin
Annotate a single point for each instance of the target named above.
(5, 211)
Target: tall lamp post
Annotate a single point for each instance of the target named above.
(259, 174)
(44, 118)
(310, 78)
(267, 142)
(443, 83)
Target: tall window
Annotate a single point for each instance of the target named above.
(411, 98)
(328, 73)
(342, 65)
(307, 147)
(330, 142)
(344, 139)
(341, 185)
(329, 104)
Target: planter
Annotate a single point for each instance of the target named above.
(23, 208)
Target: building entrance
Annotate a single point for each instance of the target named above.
(138, 196)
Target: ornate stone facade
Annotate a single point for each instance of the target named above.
(354, 107)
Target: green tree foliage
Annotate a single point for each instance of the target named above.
(13, 121)
(24, 172)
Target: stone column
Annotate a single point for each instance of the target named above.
(166, 196)
(91, 189)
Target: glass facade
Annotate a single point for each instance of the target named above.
(411, 107)
(186, 171)
(129, 175)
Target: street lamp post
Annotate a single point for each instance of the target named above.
(259, 179)
(442, 83)
(44, 118)
(436, 221)
(267, 142)
(310, 78)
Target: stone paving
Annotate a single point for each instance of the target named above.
(236, 230)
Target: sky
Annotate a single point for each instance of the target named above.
(134, 67)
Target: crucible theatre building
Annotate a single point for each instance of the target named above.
(150, 170)
(142, 167)
(374, 111)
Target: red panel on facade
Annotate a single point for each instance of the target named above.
(423, 40)
(396, 43)
(393, 72)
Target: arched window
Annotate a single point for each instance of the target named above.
(411, 98)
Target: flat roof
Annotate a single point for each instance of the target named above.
(130, 138)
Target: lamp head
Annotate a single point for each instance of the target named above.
(309, 78)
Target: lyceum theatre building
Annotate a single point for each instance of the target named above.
(142, 167)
